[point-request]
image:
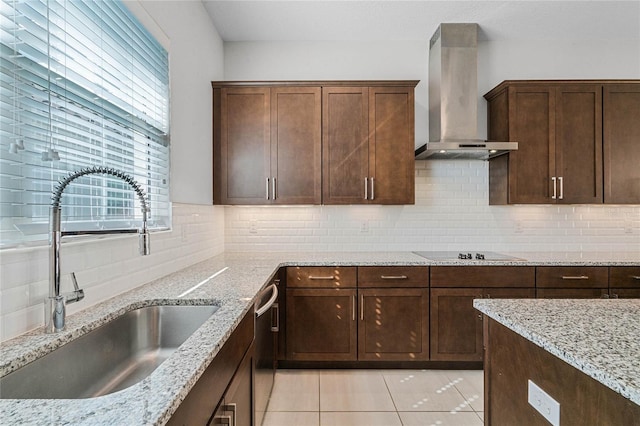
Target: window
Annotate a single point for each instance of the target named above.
(82, 83)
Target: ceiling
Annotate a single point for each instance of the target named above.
(417, 20)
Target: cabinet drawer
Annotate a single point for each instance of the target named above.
(482, 276)
(322, 276)
(624, 277)
(571, 293)
(393, 276)
(572, 277)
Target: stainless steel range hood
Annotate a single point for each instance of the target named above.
(453, 98)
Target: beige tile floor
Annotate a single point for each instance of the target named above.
(376, 398)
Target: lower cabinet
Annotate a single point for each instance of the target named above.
(624, 282)
(572, 282)
(394, 324)
(225, 389)
(385, 317)
(456, 327)
(321, 324)
(235, 407)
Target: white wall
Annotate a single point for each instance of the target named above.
(107, 267)
(451, 210)
(497, 61)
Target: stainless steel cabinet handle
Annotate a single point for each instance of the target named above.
(561, 188)
(553, 179)
(222, 420)
(362, 307)
(267, 189)
(373, 193)
(366, 192)
(635, 277)
(393, 277)
(275, 314)
(329, 277)
(232, 407)
(353, 308)
(273, 188)
(577, 277)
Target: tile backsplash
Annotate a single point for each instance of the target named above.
(451, 212)
(105, 267)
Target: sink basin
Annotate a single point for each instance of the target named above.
(110, 358)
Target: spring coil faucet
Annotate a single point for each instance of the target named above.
(55, 304)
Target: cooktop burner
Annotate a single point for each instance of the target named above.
(455, 255)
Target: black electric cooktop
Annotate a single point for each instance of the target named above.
(487, 256)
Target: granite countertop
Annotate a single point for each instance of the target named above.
(599, 337)
(234, 290)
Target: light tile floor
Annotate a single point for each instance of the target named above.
(376, 398)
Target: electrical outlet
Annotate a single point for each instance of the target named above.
(519, 227)
(628, 228)
(253, 226)
(544, 404)
(364, 226)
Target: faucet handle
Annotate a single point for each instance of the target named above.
(77, 294)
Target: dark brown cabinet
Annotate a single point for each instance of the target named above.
(621, 128)
(577, 141)
(456, 327)
(321, 323)
(624, 282)
(242, 144)
(381, 316)
(572, 282)
(558, 127)
(267, 145)
(368, 142)
(394, 313)
(235, 407)
(227, 380)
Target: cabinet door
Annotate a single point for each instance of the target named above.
(321, 325)
(345, 144)
(532, 125)
(238, 400)
(394, 324)
(621, 143)
(296, 145)
(391, 145)
(456, 327)
(244, 145)
(578, 144)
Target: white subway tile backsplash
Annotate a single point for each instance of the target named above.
(451, 213)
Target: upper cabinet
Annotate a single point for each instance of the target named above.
(561, 135)
(314, 142)
(266, 145)
(621, 127)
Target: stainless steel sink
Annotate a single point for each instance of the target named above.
(110, 358)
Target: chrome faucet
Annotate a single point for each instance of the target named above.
(55, 304)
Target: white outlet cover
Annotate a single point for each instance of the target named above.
(544, 404)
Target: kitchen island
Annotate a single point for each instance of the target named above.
(230, 281)
(583, 353)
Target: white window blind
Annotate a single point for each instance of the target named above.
(82, 84)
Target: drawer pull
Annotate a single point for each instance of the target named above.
(393, 277)
(578, 277)
(330, 277)
(635, 277)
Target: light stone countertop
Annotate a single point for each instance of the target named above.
(154, 399)
(599, 337)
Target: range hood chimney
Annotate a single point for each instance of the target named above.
(453, 98)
